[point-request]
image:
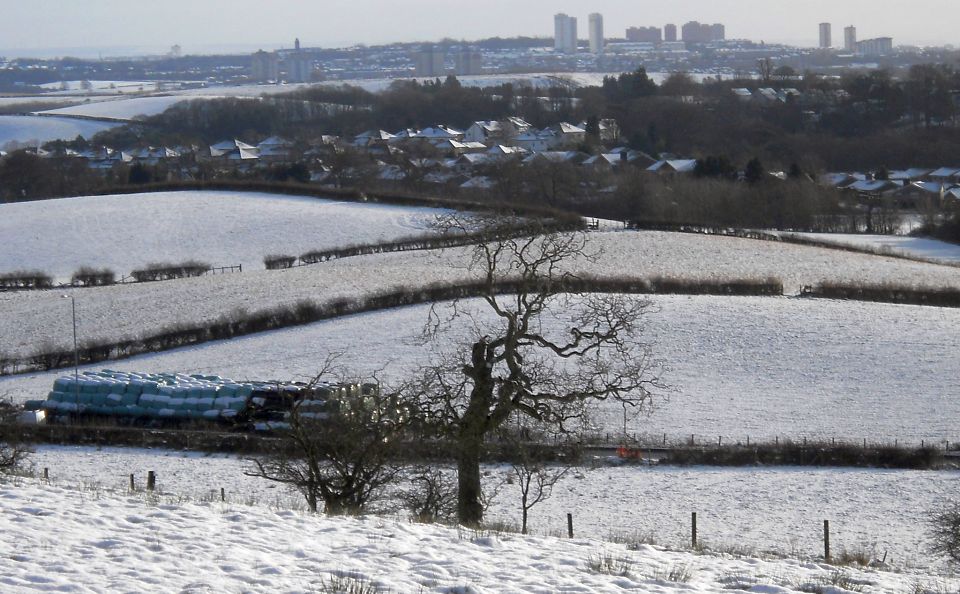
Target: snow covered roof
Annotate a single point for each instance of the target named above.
(906, 174)
(478, 183)
(227, 145)
(675, 165)
(836, 180)
(501, 149)
(475, 158)
(243, 154)
(365, 137)
(945, 172)
(928, 187)
(567, 128)
(274, 141)
(872, 186)
(557, 156)
(440, 132)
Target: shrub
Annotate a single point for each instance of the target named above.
(608, 564)
(945, 532)
(279, 262)
(25, 279)
(157, 272)
(93, 277)
(887, 293)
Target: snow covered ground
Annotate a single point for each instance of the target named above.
(36, 130)
(31, 318)
(757, 367)
(778, 510)
(131, 108)
(124, 232)
(58, 538)
(899, 244)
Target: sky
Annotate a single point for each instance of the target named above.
(119, 27)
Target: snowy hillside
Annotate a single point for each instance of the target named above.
(920, 247)
(758, 367)
(122, 109)
(58, 538)
(36, 130)
(770, 509)
(124, 232)
(31, 318)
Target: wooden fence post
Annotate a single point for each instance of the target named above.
(133, 486)
(223, 494)
(570, 525)
(151, 481)
(46, 473)
(693, 529)
(826, 541)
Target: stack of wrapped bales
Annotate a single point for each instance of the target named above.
(149, 395)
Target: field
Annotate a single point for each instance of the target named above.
(36, 130)
(132, 108)
(761, 368)
(90, 540)
(757, 367)
(760, 509)
(127, 231)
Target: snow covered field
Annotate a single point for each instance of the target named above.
(36, 130)
(778, 510)
(131, 108)
(64, 539)
(31, 318)
(757, 367)
(912, 246)
(124, 232)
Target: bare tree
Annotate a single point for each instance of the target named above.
(13, 453)
(433, 495)
(540, 351)
(945, 532)
(338, 453)
(535, 475)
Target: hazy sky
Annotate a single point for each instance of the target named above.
(206, 25)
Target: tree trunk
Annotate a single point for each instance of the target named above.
(469, 491)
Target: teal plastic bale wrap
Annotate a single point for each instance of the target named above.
(130, 399)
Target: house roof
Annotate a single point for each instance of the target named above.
(872, 186)
(568, 128)
(905, 174)
(675, 165)
(945, 172)
(480, 182)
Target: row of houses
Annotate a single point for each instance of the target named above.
(908, 186)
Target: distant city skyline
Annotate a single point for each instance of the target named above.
(45, 28)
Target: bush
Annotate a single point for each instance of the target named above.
(158, 272)
(92, 277)
(887, 293)
(278, 262)
(812, 454)
(945, 532)
(25, 279)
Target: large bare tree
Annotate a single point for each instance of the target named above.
(534, 349)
